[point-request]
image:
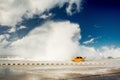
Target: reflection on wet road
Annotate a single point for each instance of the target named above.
(36, 70)
(58, 76)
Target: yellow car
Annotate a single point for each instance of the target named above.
(78, 59)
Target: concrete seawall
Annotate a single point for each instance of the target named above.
(106, 63)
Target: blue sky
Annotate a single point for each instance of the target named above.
(98, 20)
(101, 19)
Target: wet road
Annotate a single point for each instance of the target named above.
(53, 76)
(36, 70)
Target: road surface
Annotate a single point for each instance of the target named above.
(108, 69)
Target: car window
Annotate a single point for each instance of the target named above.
(80, 57)
(77, 57)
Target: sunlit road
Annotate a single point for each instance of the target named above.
(29, 69)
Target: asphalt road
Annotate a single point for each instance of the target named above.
(53, 76)
(37, 70)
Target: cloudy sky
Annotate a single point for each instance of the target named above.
(60, 29)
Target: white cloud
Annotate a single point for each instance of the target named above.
(110, 51)
(89, 41)
(51, 41)
(44, 16)
(55, 41)
(101, 53)
(90, 53)
(4, 51)
(3, 40)
(12, 30)
(21, 27)
(12, 11)
(69, 8)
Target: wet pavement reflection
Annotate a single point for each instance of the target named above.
(7, 74)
